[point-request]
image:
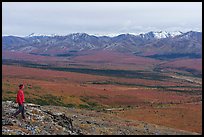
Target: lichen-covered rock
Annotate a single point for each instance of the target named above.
(38, 121)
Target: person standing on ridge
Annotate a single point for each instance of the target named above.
(20, 100)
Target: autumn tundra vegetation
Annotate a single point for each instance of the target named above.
(165, 90)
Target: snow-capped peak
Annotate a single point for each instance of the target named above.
(160, 34)
(41, 35)
(106, 35)
(164, 34)
(76, 36)
(175, 33)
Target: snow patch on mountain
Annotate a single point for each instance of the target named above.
(160, 34)
(175, 33)
(42, 35)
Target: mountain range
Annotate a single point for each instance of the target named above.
(152, 44)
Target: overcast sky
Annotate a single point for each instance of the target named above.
(102, 18)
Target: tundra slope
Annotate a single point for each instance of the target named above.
(47, 120)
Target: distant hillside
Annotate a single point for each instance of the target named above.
(159, 45)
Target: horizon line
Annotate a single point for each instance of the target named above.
(95, 34)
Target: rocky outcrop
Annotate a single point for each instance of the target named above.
(38, 121)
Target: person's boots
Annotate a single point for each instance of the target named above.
(14, 115)
(23, 118)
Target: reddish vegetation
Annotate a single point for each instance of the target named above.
(186, 63)
(116, 57)
(71, 86)
(121, 60)
(90, 60)
(26, 57)
(181, 116)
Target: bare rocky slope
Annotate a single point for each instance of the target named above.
(56, 120)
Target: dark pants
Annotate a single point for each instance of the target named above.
(20, 110)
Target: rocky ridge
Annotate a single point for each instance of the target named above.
(56, 120)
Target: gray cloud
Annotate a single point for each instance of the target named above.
(99, 17)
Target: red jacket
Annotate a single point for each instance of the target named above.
(20, 97)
